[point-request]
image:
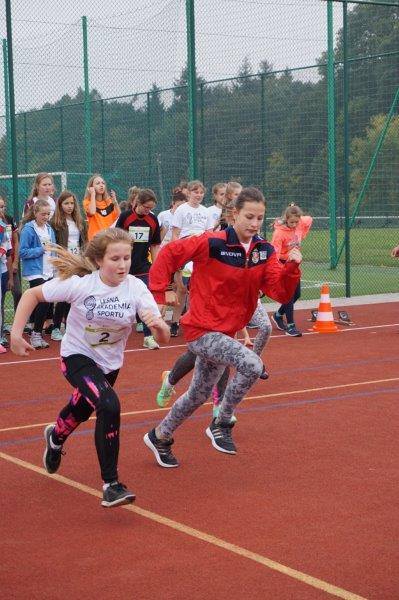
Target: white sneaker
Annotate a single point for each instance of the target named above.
(56, 335)
(37, 341)
(150, 343)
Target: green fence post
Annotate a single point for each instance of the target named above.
(332, 198)
(149, 149)
(346, 147)
(13, 135)
(26, 142)
(192, 91)
(87, 103)
(62, 155)
(202, 129)
(7, 105)
(263, 129)
(102, 135)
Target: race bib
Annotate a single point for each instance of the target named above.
(103, 336)
(139, 234)
(73, 249)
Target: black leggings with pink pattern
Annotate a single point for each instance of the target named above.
(93, 392)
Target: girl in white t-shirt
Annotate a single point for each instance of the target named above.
(219, 194)
(70, 233)
(35, 256)
(104, 300)
(191, 218)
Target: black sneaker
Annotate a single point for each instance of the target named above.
(51, 457)
(220, 436)
(161, 449)
(48, 330)
(278, 320)
(174, 329)
(264, 374)
(293, 331)
(117, 494)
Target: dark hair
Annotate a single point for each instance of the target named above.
(249, 194)
(145, 195)
(178, 196)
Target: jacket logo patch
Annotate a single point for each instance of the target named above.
(255, 256)
(263, 255)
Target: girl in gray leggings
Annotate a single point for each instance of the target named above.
(230, 267)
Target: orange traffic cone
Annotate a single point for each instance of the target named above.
(325, 318)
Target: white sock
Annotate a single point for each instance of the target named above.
(106, 485)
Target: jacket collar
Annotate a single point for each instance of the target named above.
(232, 239)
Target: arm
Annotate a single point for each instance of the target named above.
(159, 329)
(30, 299)
(116, 205)
(154, 251)
(395, 252)
(15, 243)
(171, 257)
(90, 207)
(175, 233)
(280, 281)
(26, 248)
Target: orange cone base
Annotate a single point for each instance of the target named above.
(326, 327)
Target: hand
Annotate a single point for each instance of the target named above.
(19, 346)
(247, 342)
(92, 192)
(295, 255)
(171, 298)
(151, 320)
(113, 196)
(395, 252)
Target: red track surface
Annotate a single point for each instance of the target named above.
(314, 486)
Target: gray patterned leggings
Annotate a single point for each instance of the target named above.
(214, 351)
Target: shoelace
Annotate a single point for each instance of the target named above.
(164, 447)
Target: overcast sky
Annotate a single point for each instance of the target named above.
(134, 43)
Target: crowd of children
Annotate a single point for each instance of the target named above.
(209, 266)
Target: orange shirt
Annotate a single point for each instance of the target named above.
(284, 238)
(105, 216)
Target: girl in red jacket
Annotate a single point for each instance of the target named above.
(230, 267)
(289, 231)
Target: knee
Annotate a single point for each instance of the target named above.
(109, 403)
(252, 366)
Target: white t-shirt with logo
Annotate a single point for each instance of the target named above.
(165, 219)
(6, 245)
(101, 317)
(191, 220)
(214, 213)
(73, 237)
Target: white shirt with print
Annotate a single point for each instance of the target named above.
(214, 213)
(191, 220)
(165, 219)
(101, 317)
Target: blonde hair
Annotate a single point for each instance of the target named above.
(90, 184)
(291, 211)
(195, 185)
(59, 218)
(132, 197)
(33, 210)
(35, 188)
(231, 187)
(68, 264)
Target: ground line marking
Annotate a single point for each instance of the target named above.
(272, 395)
(197, 534)
(274, 337)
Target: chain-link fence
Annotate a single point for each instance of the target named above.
(298, 97)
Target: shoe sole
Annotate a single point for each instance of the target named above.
(128, 499)
(48, 428)
(293, 334)
(151, 446)
(277, 325)
(214, 444)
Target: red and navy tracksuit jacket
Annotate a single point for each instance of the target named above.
(225, 284)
